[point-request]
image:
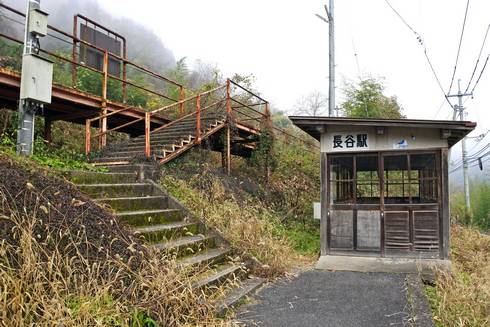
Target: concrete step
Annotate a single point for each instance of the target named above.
(165, 232)
(151, 217)
(132, 153)
(100, 161)
(117, 190)
(188, 245)
(233, 298)
(208, 257)
(218, 276)
(123, 169)
(135, 203)
(86, 177)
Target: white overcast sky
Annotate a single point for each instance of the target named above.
(286, 47)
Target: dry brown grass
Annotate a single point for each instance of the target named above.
(463, 297)
(250, 227)
(45, 282)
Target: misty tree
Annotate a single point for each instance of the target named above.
(204, 76)
(313, 104)
(366, 100)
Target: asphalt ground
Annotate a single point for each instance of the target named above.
(337, 299)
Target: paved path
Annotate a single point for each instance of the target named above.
(337, 299)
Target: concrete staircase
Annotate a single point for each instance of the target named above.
(165, 144)
(162, 221)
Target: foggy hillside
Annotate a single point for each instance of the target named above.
(61, 12)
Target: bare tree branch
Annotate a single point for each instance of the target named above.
(313, 104)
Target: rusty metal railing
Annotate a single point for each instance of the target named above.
(104, 73)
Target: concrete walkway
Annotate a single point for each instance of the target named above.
(337, 299)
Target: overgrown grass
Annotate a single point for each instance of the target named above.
(305, 238)
(51, 156)
(249, 226)
(60, 266)
(462, 298)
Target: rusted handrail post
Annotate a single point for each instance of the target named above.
(228, 129)
(103, 123)
(147, 135)
(124, 86)
(181, 98)
(87, 137)
(198, 119)
(74, 53)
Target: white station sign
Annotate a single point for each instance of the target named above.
(355, 141)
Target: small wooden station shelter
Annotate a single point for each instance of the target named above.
(384, 188)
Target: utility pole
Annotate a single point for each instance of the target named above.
(331, 60)
(331, 56)
(459, 109)
(36, 80)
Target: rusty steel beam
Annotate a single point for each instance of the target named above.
(124, 77)
(103, 123)
(147, 135)
(88, 139)
(74, 54)
(181, 99)
(228, 149)
(198, 119)
(78, 98)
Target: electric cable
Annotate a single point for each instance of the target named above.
(478, 59)
(459, 46)
(481, 73)
(421, 42)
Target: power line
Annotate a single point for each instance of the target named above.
(478, 59)
(472, 160)
(401, 18)
(480, 137)
(474, 165)
(440, 107)
(481, 73)
(473, 155)
(459, 46)
(421, 42)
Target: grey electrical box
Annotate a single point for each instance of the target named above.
(317, 210)
(37, 78)
(38, 22)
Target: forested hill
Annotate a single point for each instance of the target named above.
(138, 36)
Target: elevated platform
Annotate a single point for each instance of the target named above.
(74, 106)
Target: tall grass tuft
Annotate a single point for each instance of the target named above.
(462, 298)
(249, 226)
